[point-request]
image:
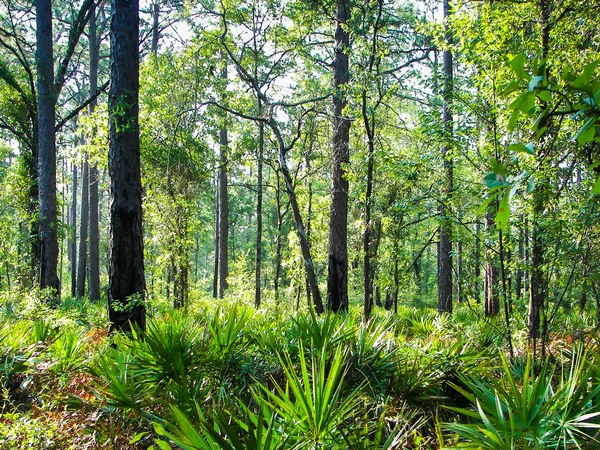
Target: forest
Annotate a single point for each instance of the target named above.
(299, 224)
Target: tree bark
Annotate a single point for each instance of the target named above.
(126, 275)
(83, 233)
(47, 152)
(337, 273)
(477, 257)
(491, 305)
(445, 244)
(94, 242)
(73, 235)
(223, 203)
(259, 204)
(216, 245)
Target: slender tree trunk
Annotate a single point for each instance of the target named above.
(83, 233)
(155, 30)
(537, 294)
(259, 201)
(127, 285)
(300, 229)
(47, 151)
(223, 204)
(278, 239)
(519, 276)
(337, 276)
(94, 177)
(217, 234)
(445, 244)
(477, 257)
(73, 235)
(492, 300)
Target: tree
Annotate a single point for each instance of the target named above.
(127, 285)
(47, 151)
(337, 272)
(94, 175)
(445, 244)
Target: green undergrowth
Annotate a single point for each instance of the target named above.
(226, 376)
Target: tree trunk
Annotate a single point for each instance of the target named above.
(223, 204)
(126, 275)
(445, 244)
(83, 233)
(217, 233)
(94, 243)
(155, 30)
(47, 151)
(337, 276)
(492, 300)
(73, 235)
(259, 201)
(477, 257)
(309, 268)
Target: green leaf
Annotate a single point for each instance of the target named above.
(498, 167)
(529, 149)
(511, 87)
(162, 444)
(518, 66)
(596, 188)
(545, 95)
(138, 437)
(530, 185)
(587, 132)
(483, 207)
(503, 213)
(512, 122)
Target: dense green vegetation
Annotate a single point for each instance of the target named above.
(229, 376)
(245, 224)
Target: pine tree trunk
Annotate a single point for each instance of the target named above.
(223, 205)
(73, 235)
(259, 204)
(337, 272)
(94, 242)
(445, 244)
(83, 230)
(127, 285)
(47, 151)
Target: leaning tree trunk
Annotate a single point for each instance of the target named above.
(83, 229)
(445, 244)
(94, 243)
(47, 151)
(127, 285)
(337, 273)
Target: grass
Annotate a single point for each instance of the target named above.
(225, 376)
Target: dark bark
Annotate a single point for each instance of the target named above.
(309, 268)
(223, 204)
(155, 30)
(537, 286)
(83, 230)
(73, 235)
(445, 244)
(477, 257)
(126, 275)
(215, 289)
(337, 272)
(491, 300)
(94, 241)
(259, 204)
(47, 152)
